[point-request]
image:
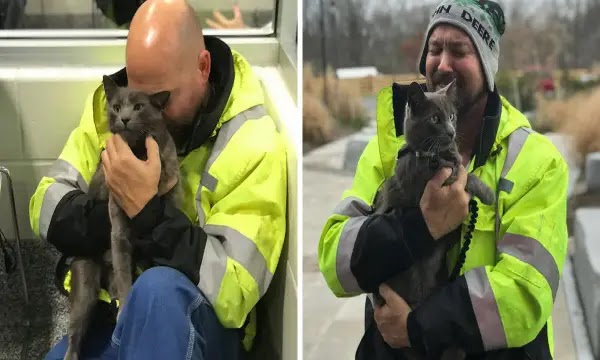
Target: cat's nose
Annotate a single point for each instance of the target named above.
(125, 121)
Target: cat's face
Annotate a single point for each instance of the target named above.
(430, 120)
(134, 114)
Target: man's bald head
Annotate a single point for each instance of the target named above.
(165, 49)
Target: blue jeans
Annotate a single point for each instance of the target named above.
(165, 317)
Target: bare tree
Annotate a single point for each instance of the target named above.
(388, 34)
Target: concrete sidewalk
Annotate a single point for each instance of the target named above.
(333, 327)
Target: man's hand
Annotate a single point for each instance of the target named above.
(391, 318)
(221, 22)
(445, 207)
(133, 182)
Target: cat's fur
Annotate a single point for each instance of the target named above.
(430, 129)
(133, 115)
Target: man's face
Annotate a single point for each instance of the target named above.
(451, 54)
(185, 100)
(187, 93)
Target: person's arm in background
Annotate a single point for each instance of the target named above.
(505, 305)
(359, 250)
(60, 211)
(233, 255)
(219, 21)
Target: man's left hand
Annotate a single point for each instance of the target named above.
(391, 318)
(133, 182)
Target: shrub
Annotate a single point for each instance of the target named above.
(527, 88)
(344, 107)
(347, 105)
(578, 116)
(317, 125)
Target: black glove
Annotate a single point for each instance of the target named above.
(80, 226)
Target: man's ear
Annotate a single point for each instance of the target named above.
(204, 64)
(160, 99)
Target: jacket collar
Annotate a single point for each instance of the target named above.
(487, 136)
(221, 80)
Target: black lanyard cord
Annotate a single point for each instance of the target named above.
(473, 209)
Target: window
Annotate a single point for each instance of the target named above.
(109, 18)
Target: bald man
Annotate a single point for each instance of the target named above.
(213, 257)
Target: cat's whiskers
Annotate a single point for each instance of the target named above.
(428, 147)
(436, 144)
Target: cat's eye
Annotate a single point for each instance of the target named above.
(116, 107)
(435, 119)
(452, 117)
(137, 107)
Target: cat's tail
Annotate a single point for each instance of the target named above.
(479, 189)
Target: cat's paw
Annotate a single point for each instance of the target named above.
(487, 196)
(479, 189)
(167, 186)
(450, 180)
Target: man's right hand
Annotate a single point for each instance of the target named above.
(445, 207)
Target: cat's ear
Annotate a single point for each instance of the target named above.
(450, 89)
(160, 99)
(110, 87)
(416, 96)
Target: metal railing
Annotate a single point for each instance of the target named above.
(18, 254)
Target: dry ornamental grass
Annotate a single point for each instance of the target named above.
(577, 116)
(344, 111)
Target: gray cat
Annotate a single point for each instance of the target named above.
(133, 115)
(430, 132)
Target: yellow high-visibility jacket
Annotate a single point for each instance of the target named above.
(504, 295)
(232, 220)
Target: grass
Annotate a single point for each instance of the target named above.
(330, 108)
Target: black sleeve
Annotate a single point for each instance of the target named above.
(164, 234)
(445, 318)
(388, 244)
(80, 226)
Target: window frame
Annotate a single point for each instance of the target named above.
(49, 49)
(105, 33)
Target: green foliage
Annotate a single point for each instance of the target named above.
(572, 86)
(526, 87)
(505, 87)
